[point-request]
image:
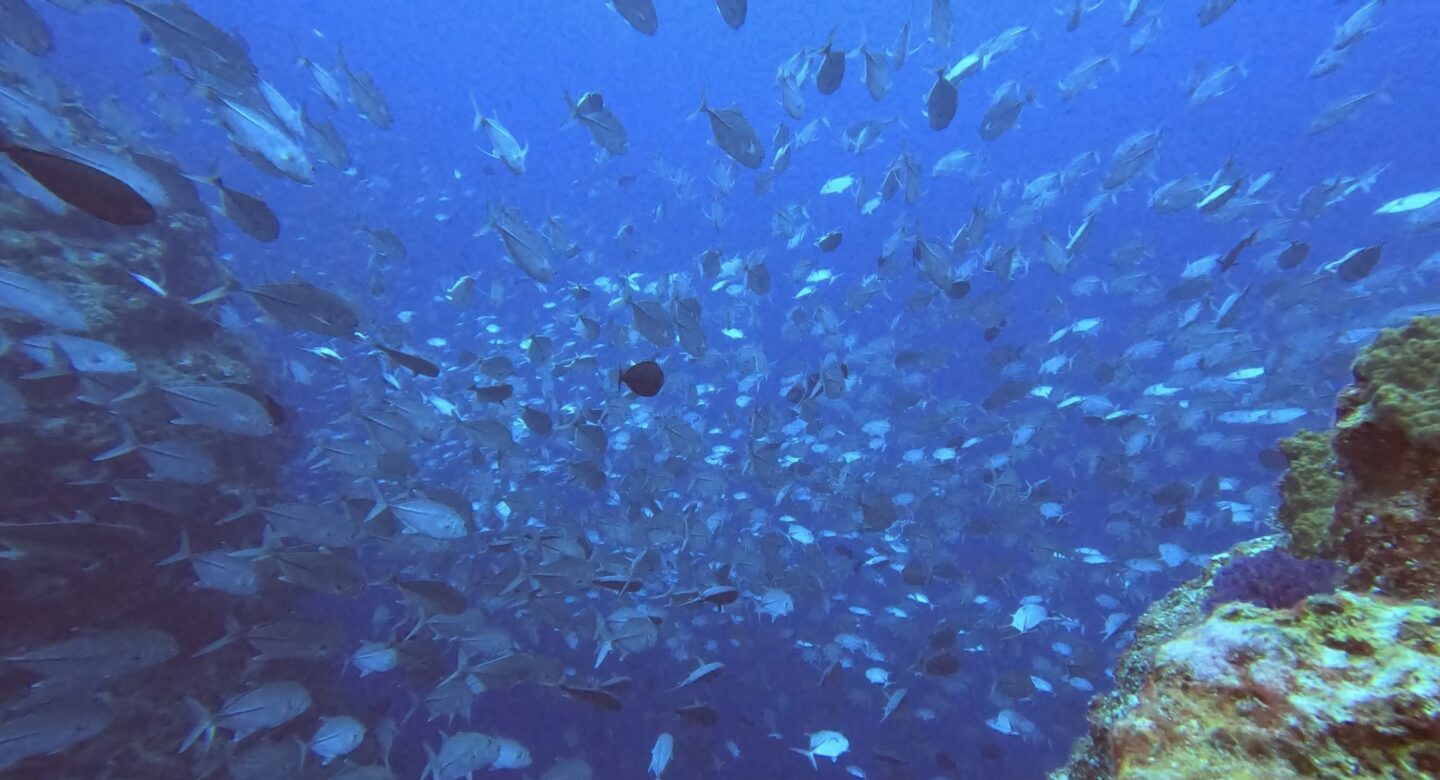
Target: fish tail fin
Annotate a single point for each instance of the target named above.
(204, 725)
(479, 118)
(60, 365)
(704, 104)
(270, 541)
(247, 507)
(574, 109)
(232, 632)
(182, 554)
(380, 505)
(128, 443)
(210, 296)
(809, 755)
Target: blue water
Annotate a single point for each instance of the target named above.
(428, 180)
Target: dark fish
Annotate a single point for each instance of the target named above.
(1213, 10)
(941, 101)
(699, 714)
(720, 595)
(415, 363)
(433, 595)
(1173, 518)
(22, 26)
(1358, 264)
(248, 212)
(1173, 493)
(830, 241)
(733, 133)
(639, 13)
(599, 698)
(538, 421)
(88, 189)
(1004, 395)
(757, 278)
(492, 394)
(644, 378)
(1233, 256)
(1274, 460)
(832, 67)
(942, 665)
(540, 349)
(733, 11)
(587, 474)
(1293, 255)
(1016, 684)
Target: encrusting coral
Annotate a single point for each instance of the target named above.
(1339, 685)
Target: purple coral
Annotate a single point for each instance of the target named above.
(1273, 579)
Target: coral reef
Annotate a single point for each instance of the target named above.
(1308, 492)
(1387, 441)
(1341, 685)
(1344, 686)
(1395, 383)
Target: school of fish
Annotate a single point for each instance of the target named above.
(898, 486)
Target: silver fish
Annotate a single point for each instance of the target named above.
(100, 655)
(527, 248)
(51, 728)
(270, 705)
(219, 408)
(62, 355)
(733, 133)
(43, 301)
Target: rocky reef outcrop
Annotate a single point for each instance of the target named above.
(1344, 683)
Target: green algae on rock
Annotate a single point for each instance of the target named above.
(1387, 444)
(1400, 376)
(1308, 492)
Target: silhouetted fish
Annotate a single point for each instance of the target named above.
(644, 378)
(88, 189)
